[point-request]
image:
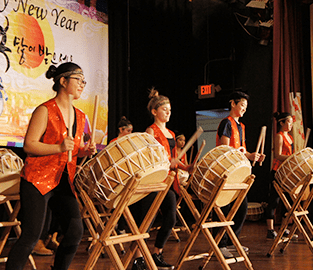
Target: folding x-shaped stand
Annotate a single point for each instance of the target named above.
(225, 223)
(296, 213)
(12, 222)
(137, 236)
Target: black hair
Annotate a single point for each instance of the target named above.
(237, 96)
(54, 72)
(178, 134)
(281, 118)
(124, 122)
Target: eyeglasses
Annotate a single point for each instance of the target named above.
(80, 81)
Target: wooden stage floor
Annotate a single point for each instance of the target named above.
(297, 256)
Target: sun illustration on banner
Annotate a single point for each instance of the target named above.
(32, 44)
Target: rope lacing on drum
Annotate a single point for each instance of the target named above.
(207, 166)
(10, 165)
(294, 167)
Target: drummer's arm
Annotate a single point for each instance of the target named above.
(225, 140)
(279, 147)
(251, 156)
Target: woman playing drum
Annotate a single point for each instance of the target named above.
(180, 143)
(231, 132)
(160, 108)
(283, 148)
(48, 174)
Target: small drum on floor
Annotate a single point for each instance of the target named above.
(213, 165)
(105, 176)
(292, 172)
(10, 168)
(255, 211)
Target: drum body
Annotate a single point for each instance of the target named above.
(213, 165)
(292, 172)
(10, 168)
(255, 211)
(105, 176)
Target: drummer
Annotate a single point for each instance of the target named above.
(47, 176)
(160, 109)
(232, 132)
(180, 143)
(124, 126)
(283, 148)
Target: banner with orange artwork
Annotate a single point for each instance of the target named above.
(297, 131)
(35, 34)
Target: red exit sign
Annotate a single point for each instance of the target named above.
(206, 91)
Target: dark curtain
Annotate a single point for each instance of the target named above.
(118, 63)
(151, 45)
(288, 62)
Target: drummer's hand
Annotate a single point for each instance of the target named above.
(91, 148)
(256, 157)
(191, 168)
(67, 144)
(174, 163)
(262, 158)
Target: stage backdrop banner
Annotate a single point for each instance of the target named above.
(35, 34)
(297, 129)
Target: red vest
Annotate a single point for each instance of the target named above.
(159, 136)
(45, 171)
(235, 135)
(286, 150)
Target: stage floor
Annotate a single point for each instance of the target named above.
(297, 256)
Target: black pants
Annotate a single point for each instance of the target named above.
(274, 199)
(168, 208)
(238, 219)
(34, 205)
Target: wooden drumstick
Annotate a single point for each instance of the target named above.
(307, 135)
(197, 156)
(192, 140)
(199, 152)
(263, 143)
(191, 153)
(94, 120)
(70, 120)
(261, 139)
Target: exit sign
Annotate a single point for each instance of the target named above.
(206, 91)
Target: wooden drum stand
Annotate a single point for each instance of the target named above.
(105, 229)
(224, 223)
(296, 213)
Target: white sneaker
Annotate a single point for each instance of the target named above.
(226, 253)
(232, 248)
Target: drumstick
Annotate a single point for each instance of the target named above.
(94, 120)
(70, 120)
(199, 152)
(192, 140)
(197, 157)
(191, 153)
(307, 135)
(260, 141)
(263, 143)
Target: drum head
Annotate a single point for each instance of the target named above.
(105, 176)
(293, 171)
(214, 165)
